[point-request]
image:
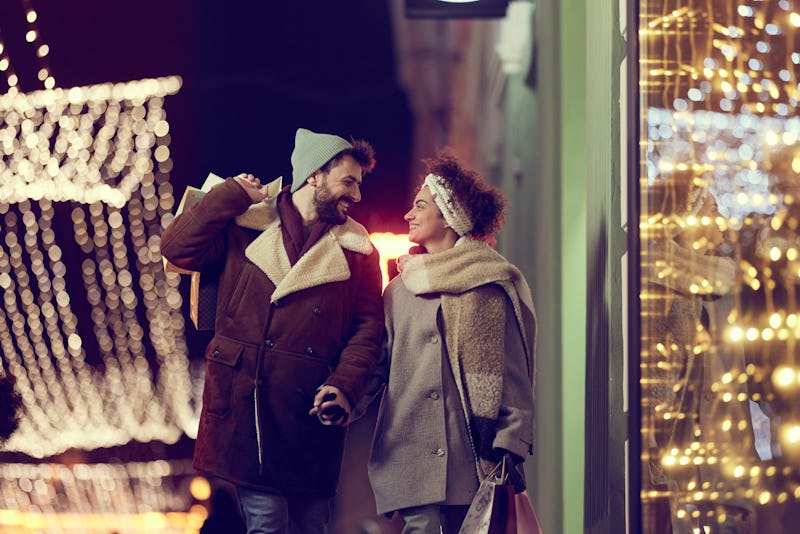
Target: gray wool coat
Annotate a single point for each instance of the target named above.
(421, 452)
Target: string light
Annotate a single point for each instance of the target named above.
(34, 37)
(721, 158)
(6, 68)
(122, 196)
(133, 496)
(50, 152)
(124, 376)
(100, 156)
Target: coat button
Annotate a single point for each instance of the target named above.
(215, 354)
(309, 351)
(269, 343)
(434, 395)
(438, 452)
(434, 339)
(317, 311)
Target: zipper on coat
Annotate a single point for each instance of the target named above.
(258, 430)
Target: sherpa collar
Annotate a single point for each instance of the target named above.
(324, 262)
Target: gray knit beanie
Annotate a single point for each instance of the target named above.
(312, 151)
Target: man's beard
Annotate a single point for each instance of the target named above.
(328, 206)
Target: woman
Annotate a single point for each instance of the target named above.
(459, 357)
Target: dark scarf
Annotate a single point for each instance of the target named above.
(294, 238)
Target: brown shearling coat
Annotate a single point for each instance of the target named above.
(281, 331)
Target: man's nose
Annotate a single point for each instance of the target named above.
(356, 196)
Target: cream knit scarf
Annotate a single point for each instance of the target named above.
(467, 277)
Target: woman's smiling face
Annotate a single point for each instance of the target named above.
(426, 224)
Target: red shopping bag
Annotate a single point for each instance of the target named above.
(525, 520)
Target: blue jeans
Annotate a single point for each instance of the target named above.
(274, 513)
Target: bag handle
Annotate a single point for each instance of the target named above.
(503, 473)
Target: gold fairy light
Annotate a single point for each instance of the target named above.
(718, 229)
(34, 37)
(6, 68)
(118, 191)
(105, 149)
(133, 497)
(68, 170)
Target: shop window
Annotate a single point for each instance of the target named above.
(719, 265)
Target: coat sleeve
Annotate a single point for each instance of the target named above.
(359, 357)
(376, 382)
(515, 419)
(194, 240)
(374, 385)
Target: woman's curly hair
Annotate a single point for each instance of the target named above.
(484, 203)
(10, 404)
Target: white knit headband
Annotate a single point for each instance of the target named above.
(455, 215)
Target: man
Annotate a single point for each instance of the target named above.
(298, 328)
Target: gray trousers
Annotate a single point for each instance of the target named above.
(433, 519)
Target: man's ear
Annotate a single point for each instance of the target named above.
(313, 179)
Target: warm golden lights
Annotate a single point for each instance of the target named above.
(96, 158)
(719, 258)
(391, 246)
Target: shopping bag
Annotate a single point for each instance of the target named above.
(202, 292)
(489, 511)
(203, 289)
(525, 516)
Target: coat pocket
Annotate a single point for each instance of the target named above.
(222, 368)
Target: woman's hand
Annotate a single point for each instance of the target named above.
(515, 476)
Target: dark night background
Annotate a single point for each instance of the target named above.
(253, 72)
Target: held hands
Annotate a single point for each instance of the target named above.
(252, 186)
(331, 406)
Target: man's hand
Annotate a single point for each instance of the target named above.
(252, 186)
(331, 406)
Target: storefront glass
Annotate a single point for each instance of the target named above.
(719, 195)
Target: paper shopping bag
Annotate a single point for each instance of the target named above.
(203, 289)
(488, 512)
(525, 516)
(202, 292)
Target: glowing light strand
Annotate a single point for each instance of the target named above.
(42, 49)
(7, 68)
(69, 402)
(720, 129)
